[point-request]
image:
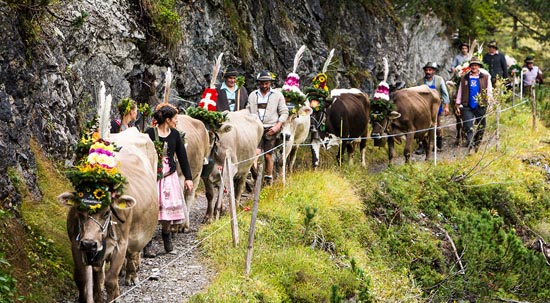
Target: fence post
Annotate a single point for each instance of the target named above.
(250, 247)
(232, 206)
(284, 160)
(435, 143)
(533, 109)
(497, 120)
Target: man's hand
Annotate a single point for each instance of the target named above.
(457, 109)
(188, 185)
(446, 109)
(274, 129)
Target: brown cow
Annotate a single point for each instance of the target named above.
(347, 121)
(118, 231)
(239, 136)
(198, 149)
(416, 109)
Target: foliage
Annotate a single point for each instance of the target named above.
(164, 20)
(244, 41)
(303, 255)
(212, 120)
(296, 98)
(36, 245)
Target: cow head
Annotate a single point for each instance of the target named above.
(381, 117)
(94, 226)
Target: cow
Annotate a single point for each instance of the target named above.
(295, 131)
(119, 231)
(239, 137)
(346, 122)
(414, 116)
(197, 144)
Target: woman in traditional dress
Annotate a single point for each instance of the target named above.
(171, 199)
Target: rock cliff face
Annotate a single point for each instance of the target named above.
(48, 87)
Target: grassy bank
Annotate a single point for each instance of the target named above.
(462, 230)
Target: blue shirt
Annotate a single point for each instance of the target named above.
(474, 92)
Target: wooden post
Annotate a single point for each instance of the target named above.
(232, 206)
(341, 142)
(89, 284)
(250, 247)
(497, 120)
(238, 99)
(435, 143)
(284, 160)
(533, 109)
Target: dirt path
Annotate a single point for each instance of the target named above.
(173, 277)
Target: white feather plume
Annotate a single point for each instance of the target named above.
(167, 83)
(386, 69)
(472, 48)
(298, 57)
(327, 62)
(215, 71)
(104, 112)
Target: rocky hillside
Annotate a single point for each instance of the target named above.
(50, 68)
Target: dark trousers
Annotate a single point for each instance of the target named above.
(474, 124)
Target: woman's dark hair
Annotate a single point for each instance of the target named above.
(165, 112)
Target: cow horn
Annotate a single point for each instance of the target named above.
(394, 115)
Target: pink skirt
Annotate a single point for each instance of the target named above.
(171, 198)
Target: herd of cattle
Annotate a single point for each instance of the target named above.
(117, 234)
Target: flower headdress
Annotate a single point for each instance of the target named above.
(381, 104)
(291, 88)
(318, 93)
(209, 97)
(96, 177)
(125, 106)
(462, 69)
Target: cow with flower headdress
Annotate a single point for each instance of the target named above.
(113, 208)
(340, 117)
(410, 112)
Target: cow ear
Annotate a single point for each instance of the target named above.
(305, 110)
(225, 128)
(66, 199)
(124, 202)
(394, 115)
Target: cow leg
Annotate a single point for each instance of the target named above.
(292, 158)
(429, 146)
(209, 192)
(99, 279)
(350, 147)
(362, 149)
(239, 189)
(391, 151)
(111, 277)
(408, 146)
(315, 148)
(132, 266)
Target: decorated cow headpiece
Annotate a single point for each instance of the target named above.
(209, 97)
(381, 105)
(291, 88)
(318, 94)
(96, 177)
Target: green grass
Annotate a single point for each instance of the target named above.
(394, 224)
(35, 245)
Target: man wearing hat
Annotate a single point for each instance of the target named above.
(270, 106)
(474, 92)
(229, 92)
(495, 62)
(463, 56)
(531, 75)
(437, 83)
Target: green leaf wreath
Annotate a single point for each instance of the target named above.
(212, 120)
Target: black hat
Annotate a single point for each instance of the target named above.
(230, 71)
(265, 75)
(463, 44)
(431, 65)
(493, 44)
(529, 59)
(475, 60)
